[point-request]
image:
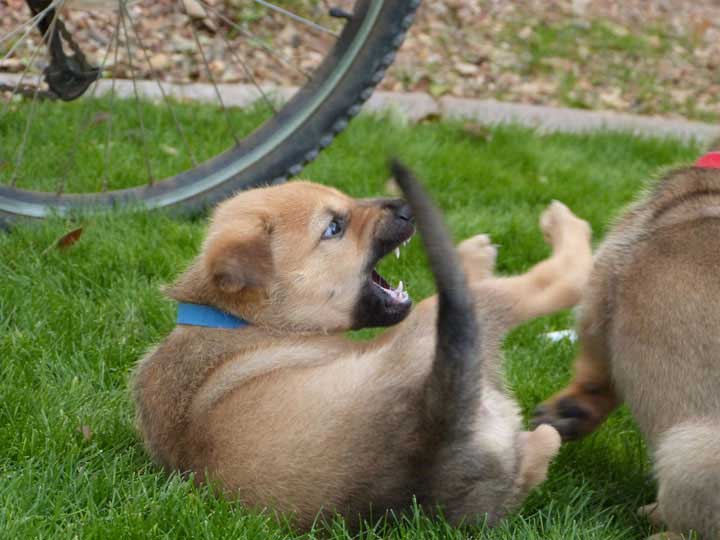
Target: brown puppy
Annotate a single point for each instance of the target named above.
(288, 415)
(650, 336)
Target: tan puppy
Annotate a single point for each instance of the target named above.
(286, 414)
(650, 336)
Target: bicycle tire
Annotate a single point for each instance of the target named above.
(281, 147)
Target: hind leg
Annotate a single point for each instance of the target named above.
(687, 467)
(651, 512)
(491, 498)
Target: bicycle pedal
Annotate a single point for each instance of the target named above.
(339, 13)
(69, 80)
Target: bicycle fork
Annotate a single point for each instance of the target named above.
(68, 76)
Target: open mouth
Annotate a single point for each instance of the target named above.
(398, 295)
(379, 303)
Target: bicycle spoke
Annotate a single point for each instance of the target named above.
(249, 73)
(178, 127)
(296, 17)
(277, 56)
(86, 122)
(21, 148)
(123, 11)
(212, 81)
(27, 26)
(55, 149)
(106, 168)
(33, 56)
(30, 25)
(20, 153)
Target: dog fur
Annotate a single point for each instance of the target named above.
(289, 415)
(650, 337)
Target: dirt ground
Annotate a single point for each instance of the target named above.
(640, 56)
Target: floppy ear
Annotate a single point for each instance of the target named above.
(236, 262)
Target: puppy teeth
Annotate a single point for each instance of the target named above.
(397, 252)
(400, 287)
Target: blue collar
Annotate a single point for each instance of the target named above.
(200, 315)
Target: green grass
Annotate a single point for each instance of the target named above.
(74, 322)
(83, 140)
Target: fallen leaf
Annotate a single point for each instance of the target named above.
(466, 69)
(654, 41)
(618, 29)
(86, 432)
(194, 9)
(525, 33)
(702, 26)
(681, 95)
(579, 7)
(477, 131)
(160, 61)
(437, 90)
(70, 238)
(429, 118)
(66, 240)
(209, 24)
(169, 150)
(563, 64)
(613, 98)
(100, 118)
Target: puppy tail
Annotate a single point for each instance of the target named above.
(453, 387)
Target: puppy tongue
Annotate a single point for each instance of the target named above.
(398, 295)
(377, 278)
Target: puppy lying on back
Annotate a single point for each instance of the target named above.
(650, 336)
(285, 413)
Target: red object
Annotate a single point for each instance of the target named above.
(711, 160)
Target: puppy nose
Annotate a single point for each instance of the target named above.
(399, 208)
(404, 212)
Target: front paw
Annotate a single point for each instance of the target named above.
(561, 227)
(478, 256)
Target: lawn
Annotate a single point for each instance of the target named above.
(74, 322)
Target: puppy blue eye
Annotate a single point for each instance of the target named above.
(335, 228)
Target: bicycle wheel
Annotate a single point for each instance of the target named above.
(281, 141)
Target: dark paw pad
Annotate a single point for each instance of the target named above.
(566, 415)
(569, 407)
